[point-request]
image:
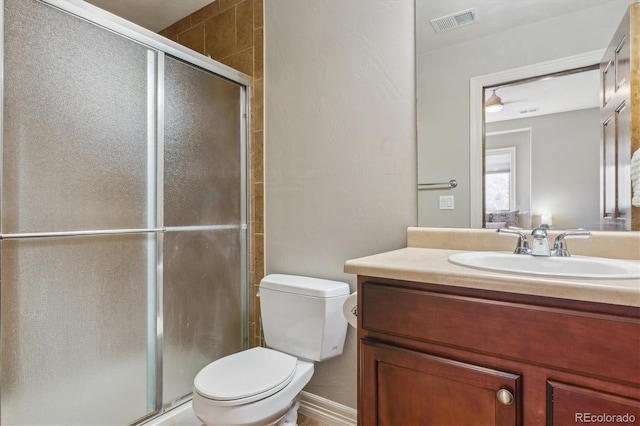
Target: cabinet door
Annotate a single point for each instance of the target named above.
(569, 404)
(404, 387)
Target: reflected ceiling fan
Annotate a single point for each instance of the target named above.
(493, 103)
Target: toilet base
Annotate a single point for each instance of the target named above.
(291, 418)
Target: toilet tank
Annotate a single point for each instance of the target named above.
(302, 316)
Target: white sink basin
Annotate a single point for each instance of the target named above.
(567, 267)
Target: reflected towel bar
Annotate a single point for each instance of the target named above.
(441, 185)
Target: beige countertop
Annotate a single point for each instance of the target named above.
(431, 265)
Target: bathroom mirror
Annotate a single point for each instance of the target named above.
(476, 45)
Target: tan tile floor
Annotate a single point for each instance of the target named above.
(305, 421)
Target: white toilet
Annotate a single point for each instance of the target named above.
(302, 322)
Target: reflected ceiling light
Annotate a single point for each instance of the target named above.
(494, 103)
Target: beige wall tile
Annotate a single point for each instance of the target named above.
(193, 38)
(257, 157)
(207, 12)
(258, 14)
(258, 54)
(180, 26)
(258, 255)
(258, 199)
(220, 35)
(226, 4)
(244, 25)
(241, 61)
(257, 106)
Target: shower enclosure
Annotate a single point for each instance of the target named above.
(122, 219)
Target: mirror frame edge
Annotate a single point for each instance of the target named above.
(476, 85)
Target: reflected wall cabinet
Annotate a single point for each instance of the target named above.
(620, 114)
(123, 217)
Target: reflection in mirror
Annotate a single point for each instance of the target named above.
(542, 152)
(500, 176)
(505, 35)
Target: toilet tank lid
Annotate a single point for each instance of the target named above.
(307, 286)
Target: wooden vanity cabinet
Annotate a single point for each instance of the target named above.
(441, 355)
(413, 388)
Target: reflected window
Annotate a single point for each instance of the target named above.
(500, 176)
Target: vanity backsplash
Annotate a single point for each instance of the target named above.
(614, 245)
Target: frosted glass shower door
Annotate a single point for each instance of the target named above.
(76, 157)
(122, 217)
(75, 124)
(203, 303)
(74, 330)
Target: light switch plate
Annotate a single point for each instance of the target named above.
(446, 202)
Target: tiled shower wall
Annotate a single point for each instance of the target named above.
(231, 32)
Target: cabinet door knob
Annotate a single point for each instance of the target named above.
(505, 397)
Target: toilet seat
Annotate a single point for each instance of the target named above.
(245, 376)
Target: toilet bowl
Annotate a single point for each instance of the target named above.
(257, 401)
(302, 322)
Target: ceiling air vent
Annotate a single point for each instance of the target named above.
(455, 20)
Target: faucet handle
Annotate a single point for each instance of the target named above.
(522, 246)
(560, 245)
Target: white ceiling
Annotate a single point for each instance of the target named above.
(547, 96)
(492, 16)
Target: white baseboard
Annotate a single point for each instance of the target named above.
(326, 411)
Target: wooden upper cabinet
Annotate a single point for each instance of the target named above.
(620, 117)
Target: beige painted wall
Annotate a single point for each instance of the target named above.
(340, 149)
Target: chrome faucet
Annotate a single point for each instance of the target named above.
(540, 243)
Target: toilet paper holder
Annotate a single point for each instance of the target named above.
(350, 309)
